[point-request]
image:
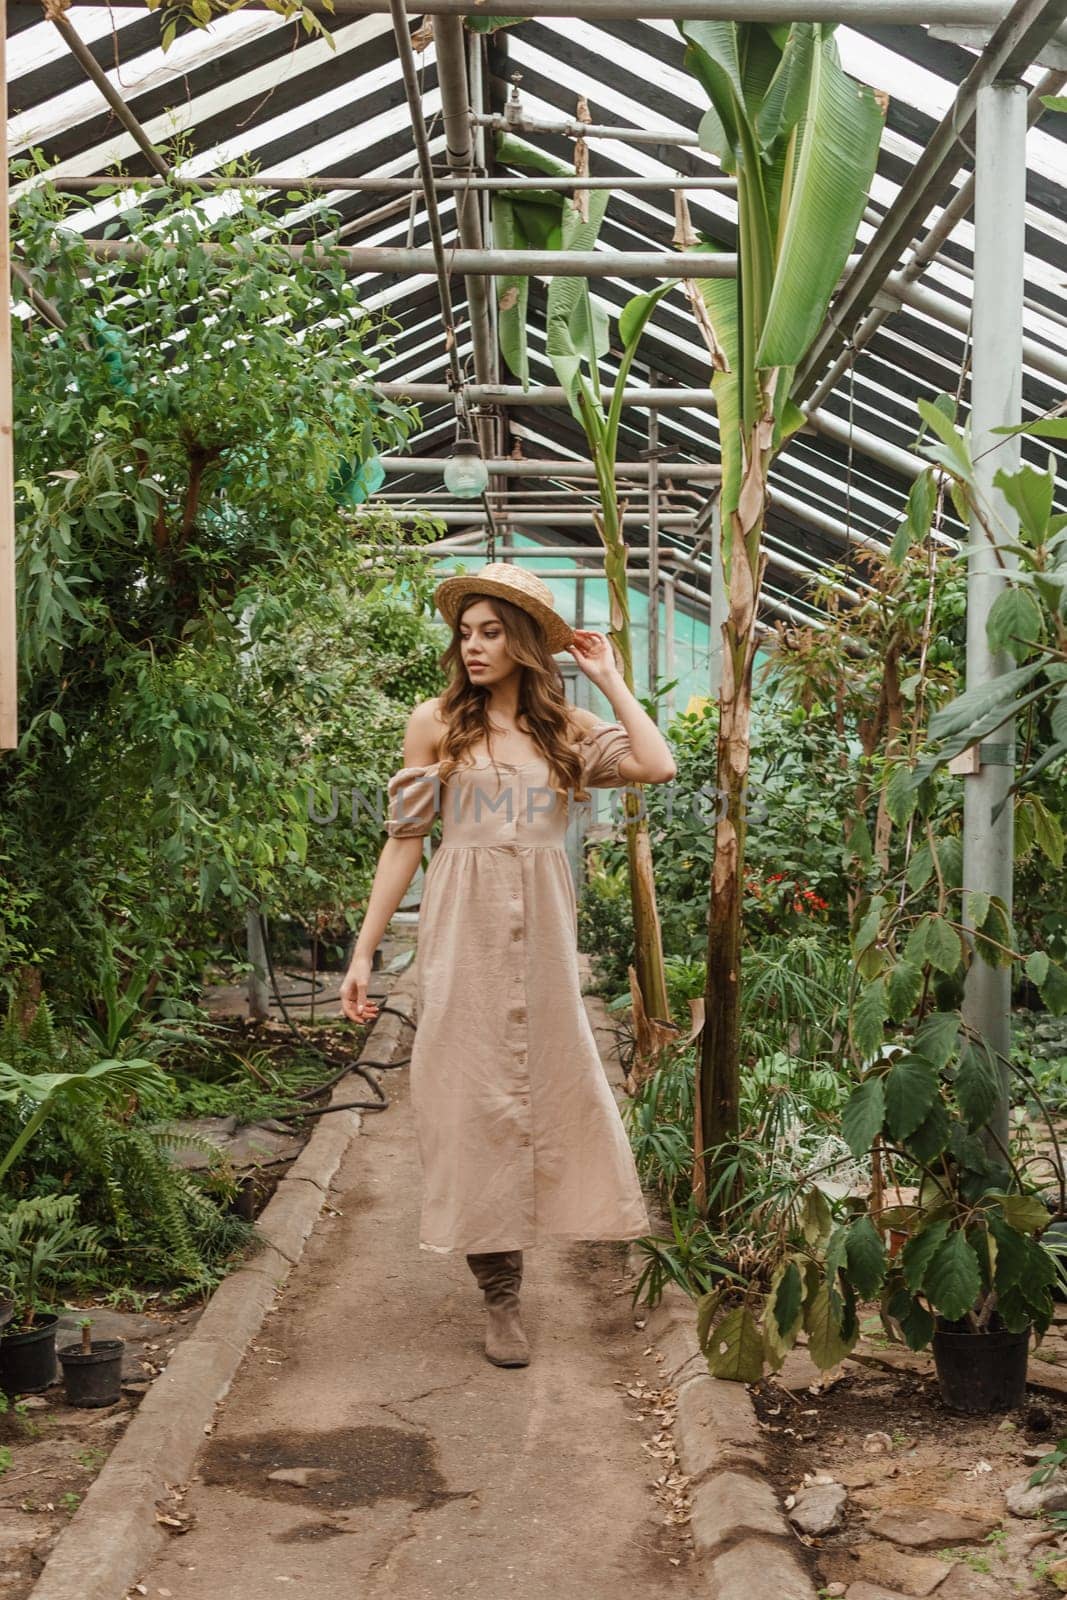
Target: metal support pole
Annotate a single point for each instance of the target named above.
(258, 989)
(456, 117)
(435, 257)
(996, 400)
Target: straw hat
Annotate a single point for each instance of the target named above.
(512, 583)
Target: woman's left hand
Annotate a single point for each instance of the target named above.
(595, 655)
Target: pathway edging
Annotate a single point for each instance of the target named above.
(741, 1537)
(114, 1533)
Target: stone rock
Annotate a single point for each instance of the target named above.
(833, 1591)
(302, 1476)
(1057, 1574)
(728, 1502)
(1024, 1501)
(873, 1591)
(880, 1563)
(920, 1528)
(19, 1530)
(819, 1508)
(877, 1444)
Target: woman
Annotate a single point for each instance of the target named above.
(518, 1132)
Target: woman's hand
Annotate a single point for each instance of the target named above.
(354, 1002)
(595, 655)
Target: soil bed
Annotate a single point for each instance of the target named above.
(904, 1459)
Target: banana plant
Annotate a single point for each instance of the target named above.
(801, 138)
(577, 338)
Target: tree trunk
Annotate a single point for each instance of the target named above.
(720, 1056)
(648, 940)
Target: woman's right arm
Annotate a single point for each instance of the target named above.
(397, 865)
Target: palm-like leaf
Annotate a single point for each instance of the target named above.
(838, 147)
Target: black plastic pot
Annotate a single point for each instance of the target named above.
(28, 1360)
(980, 1373)
(93, 1377)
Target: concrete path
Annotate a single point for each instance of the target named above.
(368, 1449)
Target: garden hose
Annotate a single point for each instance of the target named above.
(381, 1102)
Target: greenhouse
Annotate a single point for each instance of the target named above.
(533, 789)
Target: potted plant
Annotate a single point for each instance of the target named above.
(39, 1240)
(92, 1369)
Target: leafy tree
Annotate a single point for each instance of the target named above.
(191, 430)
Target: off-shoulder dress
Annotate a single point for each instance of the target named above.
(519, 1136)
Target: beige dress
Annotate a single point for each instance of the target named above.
(519, 1136)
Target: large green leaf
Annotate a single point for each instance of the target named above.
(1014, 621)
(838, 148)
(1030, 495)
(866, 1257)
(916, 1323)
(953, 1280)
(935, 1038)
(712, 57)
(919, 1251)
(827, 1341)
(735, 1348)
(868, 1017)
(910, 1090)
(863, 1116)
(787, 94)
(932, 1134)
(720, 298)
(977, 1084)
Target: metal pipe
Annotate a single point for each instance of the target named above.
(479, 182)
(512, 394)
(1018, 36)
(436, 262)
(570, 129)
(965, 13)
(493, 263)
(509, 467)
(668, 629)
(996, 401)
(553, 519)
(958, 316)
(455, 116)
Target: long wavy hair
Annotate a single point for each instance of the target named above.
(542, 699)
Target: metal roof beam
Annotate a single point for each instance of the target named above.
(1015, 42)
(443, 185)
(964, 13)
(491, 263)
(509, 467)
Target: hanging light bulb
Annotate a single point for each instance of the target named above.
(466, 474)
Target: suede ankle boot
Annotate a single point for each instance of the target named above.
(499, 1274)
